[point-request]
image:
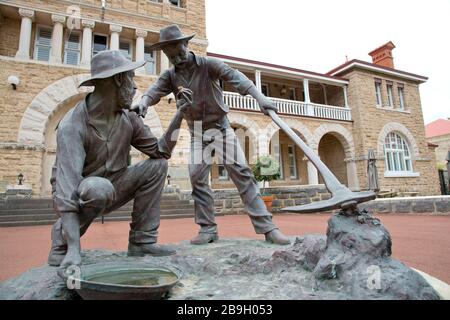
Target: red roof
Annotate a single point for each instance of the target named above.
(438, 127)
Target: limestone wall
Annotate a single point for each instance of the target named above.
(372, 124)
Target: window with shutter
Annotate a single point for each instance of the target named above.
(292, 162)
(100, 44)
(125, 48)
(43, 44)
(72, 49)
(150, 60)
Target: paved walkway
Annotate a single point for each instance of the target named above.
(422, 242)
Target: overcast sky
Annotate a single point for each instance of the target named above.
(317, 35)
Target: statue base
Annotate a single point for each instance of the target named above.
(352, 262)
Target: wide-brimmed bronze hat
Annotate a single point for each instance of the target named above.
(107, 63)
(169, 35)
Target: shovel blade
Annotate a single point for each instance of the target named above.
(335, 202)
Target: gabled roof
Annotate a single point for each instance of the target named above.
(436, 128)
(377, 68)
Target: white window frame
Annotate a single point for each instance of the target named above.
(291, 156)
(154, 61)
(398, 158)
(378, 94)
(66, 40)
(36, 42)
(130, 43)
(292, 90)
(279, 156)
(390, 95)
(224, 177)
(267, 89)
(176, 5)
(401, 97)
(93, 38)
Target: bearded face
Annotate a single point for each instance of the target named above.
(127, 90)
(177, 53)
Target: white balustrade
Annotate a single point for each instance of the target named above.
(298, 108)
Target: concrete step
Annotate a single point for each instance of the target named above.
(27, 223)
(39, 211)
(115, 214)
(41, 203)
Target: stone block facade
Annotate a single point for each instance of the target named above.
(47, 90)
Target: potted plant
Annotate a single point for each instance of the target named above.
(266, 169)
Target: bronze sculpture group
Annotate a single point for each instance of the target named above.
(91, 175)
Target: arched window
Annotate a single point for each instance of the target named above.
(396, 153)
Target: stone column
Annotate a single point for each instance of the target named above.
(307, 99)
(57, 38)
(140, 48)
(344, 88)
(313, 174)
(115, 31)
(258, 79)
(25, 33)
(86, 50)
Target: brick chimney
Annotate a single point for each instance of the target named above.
(383, 55)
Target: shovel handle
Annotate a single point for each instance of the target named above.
(331, 182)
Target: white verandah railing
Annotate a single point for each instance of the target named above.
(298, 108)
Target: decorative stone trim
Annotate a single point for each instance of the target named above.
(26, 13)
(340, 132)
(56, 18)
(388, 174)
(252, 130)
(35, 118)
(88, 23)
(141, 33)
(400, 128)
(115, 28)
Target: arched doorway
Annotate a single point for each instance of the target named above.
(49, 155)
(40, 119)
(332, 153)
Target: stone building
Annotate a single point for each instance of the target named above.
(438, 133)
(45, 51)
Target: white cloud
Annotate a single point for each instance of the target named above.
(318, 35)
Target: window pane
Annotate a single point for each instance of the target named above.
(397, 153)
(408, 165)
(400, 97)
(72, 58)
(223, 173)
(43, 44)
(378, 94)
(150, 61)
(125, 48)
(100, 44)
(292, 164)
(389, 161)
(72, 49)
(389, 93)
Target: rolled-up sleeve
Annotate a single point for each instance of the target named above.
(144, 140)
(219, 70)
(161, 88)
(70, 155)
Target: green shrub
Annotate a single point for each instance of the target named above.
(266, 169)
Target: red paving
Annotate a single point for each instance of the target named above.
(420, 241)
